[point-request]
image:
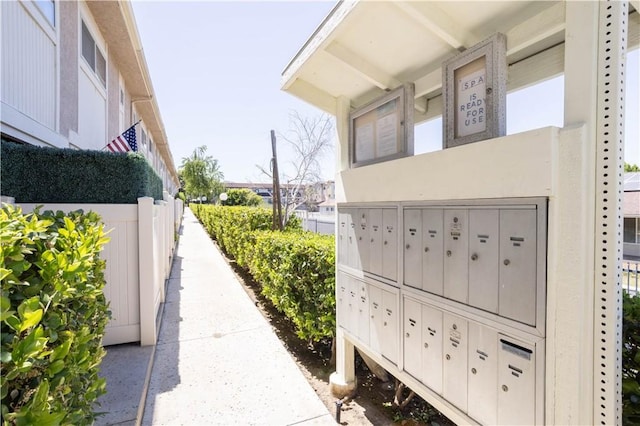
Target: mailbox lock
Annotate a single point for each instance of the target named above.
(505, 388)
(426, 249)
(474, 256)
(506, 262)
(426, 345)
(474, 371)
(448, 357)
(408, 335)
(372, 240)
(408, 246)
(385, 243)
(448, 253)
(385, 323)
(455, 327)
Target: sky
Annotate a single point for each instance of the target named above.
(216, 71)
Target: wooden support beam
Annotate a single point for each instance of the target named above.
(362, 67)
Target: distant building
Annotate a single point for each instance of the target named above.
(74, 76)
(631, 214)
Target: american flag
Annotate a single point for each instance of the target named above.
(125, 142)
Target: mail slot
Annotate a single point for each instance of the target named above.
(432, 251)
(362, 238)
(483, 373)
(363, 311)
(376, 313)
(375, 241)
(343, 235)
(483, 259)
(390, 244)
(516, 382)
(390, 336)
(432, 359)
(412, 329)
(517, 293)
(342, 301)
(456, 248)
(455, 347)
(413, 248)
(353, 257)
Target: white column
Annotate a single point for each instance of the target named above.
(146, 271)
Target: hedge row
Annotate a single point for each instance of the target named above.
(295, 269)
(631, 359)
(74, 176)
(53, 315)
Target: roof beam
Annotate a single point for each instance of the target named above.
(310, 93)
(431, 17)
(539, 27)
(365, 69)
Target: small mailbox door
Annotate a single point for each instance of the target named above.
(376, 312)
(456, 248)
(362, 236)
(516, 382)
(390, 335)
(342, 301)
(363, 311)
(412, 248)
(455, 348)
(483, 373)
(353, 258)
(432, 348)
(412, 338)
(483, 259)
(390, 244)
(375, 241)
(352, 306)
(517, 298)
(432, 256)
(343, 235)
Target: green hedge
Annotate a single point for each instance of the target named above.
(295, 269)
(630, 359)
(53, 314)
(74, 176)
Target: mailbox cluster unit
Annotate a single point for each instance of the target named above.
(453, 295)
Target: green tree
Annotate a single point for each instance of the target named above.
(242, 197)
(631, 168)
(201, 175)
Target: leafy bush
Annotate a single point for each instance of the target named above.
(242, 197)
(294, 268)
(74, 176)
(53, 314)
(630, 359)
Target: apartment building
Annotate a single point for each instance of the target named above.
(74, 76)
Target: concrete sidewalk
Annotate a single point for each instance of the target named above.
(217, 360)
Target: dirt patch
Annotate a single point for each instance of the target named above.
(372, 404)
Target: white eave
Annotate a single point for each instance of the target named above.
(364, 48)
(126, 49)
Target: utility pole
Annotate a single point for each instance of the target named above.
(277, 205)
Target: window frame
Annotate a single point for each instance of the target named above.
(98, 56)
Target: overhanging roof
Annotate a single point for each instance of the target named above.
(126, 48)
(364, 48)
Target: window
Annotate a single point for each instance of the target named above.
(121, 97)
(95, 59)
(632, 230)
(48, 9)
(143, 139)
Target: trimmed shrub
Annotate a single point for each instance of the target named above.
(295, 269)
(74, 176)
(242, 197)
(53, 314)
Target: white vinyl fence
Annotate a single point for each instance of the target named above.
(138, 261)
(320, 223)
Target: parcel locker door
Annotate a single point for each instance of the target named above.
(343, 235)
(456, 248)
(483, 259)
(412, 338)
(413, 248)
(363, 311)
(455, 348)
(390, 336)
(390, 244)
(432, 348)
(375, 241)
(517, 293)
(342, 301)
(483, 374)
(432, 256)
(516, 382)
(376, 312)
(362, 236)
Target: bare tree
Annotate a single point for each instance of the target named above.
(309, 139)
